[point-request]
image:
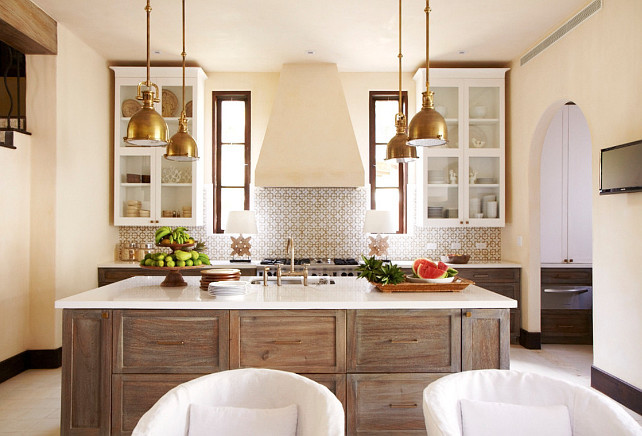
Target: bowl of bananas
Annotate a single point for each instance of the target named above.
(175, 239)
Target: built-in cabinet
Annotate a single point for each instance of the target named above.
(565, 190)
(462, 183)
(149, 189)
(117, 363)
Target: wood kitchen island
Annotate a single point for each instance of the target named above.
(126, 344)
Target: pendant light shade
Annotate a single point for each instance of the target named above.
(398, 148)
(182, 147)
(427, 128)
(147, 127)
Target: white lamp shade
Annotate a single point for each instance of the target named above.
(241, 221)
(379, 221)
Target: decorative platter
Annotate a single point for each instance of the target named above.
(130, 107)
(457, 285)
(175, 247)
(174, 278)
(170, 103)
(188, 109)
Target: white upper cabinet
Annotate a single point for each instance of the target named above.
(565, 190)
(149, 189)
(462, 183)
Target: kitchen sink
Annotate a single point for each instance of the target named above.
(296, 280)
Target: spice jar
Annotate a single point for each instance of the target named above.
(142, 249)
(128, 253)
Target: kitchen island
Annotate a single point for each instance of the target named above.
(127, 343)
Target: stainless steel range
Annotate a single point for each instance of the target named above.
(337, 267)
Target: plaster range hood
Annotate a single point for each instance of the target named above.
(309, 141)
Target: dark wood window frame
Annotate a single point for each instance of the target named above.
(403, 167)
(217, 98)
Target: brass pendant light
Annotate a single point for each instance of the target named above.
(182, 146)
(398, 148)
(427, 128)
(147, 127)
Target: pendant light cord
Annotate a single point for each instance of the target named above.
(427, 10)
(148, 8)
(400, 56)
(183, 54)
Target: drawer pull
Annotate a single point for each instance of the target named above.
(403, 405)
(565, 326)
(170, 342)
(481, 276)
(297, 342)
(404, 341)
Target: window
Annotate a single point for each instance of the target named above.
(388, 179)
(231, 154)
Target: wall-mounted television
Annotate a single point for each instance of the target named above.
(621, 168)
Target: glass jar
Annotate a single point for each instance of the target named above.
(128, 253)
(142, 249)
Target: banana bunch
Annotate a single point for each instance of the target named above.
(166, 236)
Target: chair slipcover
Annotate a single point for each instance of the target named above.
(320, 413)
(591, 412)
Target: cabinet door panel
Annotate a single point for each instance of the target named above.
(291, 340)
(135, 394)
(385, 404)
(170, 341)
(482, 276)
(404, 340)
(485, 339)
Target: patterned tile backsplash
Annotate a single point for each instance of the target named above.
(328, 222)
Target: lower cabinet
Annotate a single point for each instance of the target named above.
(118, 363)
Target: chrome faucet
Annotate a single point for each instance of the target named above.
(279, 273)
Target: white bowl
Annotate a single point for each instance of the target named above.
(412, 279)
(478, 111)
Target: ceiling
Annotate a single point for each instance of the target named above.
(252, 35)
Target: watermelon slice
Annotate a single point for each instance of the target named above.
(442, 266)
(417, 262)
(430, 271)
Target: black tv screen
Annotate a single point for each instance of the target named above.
(621, 168)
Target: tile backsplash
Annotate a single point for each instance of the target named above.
(328, 222)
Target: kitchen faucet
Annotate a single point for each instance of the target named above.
(279, 273)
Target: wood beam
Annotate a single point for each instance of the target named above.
(26, 27)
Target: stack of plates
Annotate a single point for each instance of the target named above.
(187, 211)
(143, 212)
(435, 212)
(436, 176)
(218, 275)
(133, 208)
(227, 288)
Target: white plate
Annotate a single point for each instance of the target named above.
(412, 279)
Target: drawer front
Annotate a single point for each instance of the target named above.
(515, 318)
(567, 326)
(135, 394)
(567, 276)
(404, 340)
(485, 275)
(509, 290)
(335, 382)
(387, 404)
(170, 341)
(291, 340)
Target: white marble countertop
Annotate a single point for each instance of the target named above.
(567, 265)
(256, 264)
(145, 292)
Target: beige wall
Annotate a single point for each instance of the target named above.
(15, 187)
(598, 67)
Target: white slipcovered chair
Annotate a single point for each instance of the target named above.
(589, 411)
(318, 411)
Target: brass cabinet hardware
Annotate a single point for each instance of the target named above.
(402, 405)
(565, 326)
(404, 341)
(468, 314)
(105, 315)
(170, 342)
(466, 222)
(481, 276)
(296, 342)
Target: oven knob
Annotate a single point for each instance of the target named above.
(343, 274)
(350, 274)
(325, 274)
(314, 274)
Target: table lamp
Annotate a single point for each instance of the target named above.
(378, 221)
(239, 222)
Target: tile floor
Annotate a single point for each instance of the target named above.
(30, 402)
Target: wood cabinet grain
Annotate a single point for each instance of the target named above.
(86, 375)
(404, 340)
(484, 337)
(108, 275)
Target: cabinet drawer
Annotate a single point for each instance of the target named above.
(485, 275)
(291, 340)
(387, 404)
(135, 394)
(404, 340)
(567, 326)
(567, 276)
(170, 341)
(509, 290)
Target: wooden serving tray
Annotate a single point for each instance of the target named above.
(456, 286)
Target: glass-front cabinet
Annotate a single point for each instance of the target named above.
(149, 189)
(462, 182)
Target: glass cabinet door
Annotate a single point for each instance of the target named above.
(483, 117)
(484, 188)
(135, 172)
(446, 100)
(442, 188)
(175, 188)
